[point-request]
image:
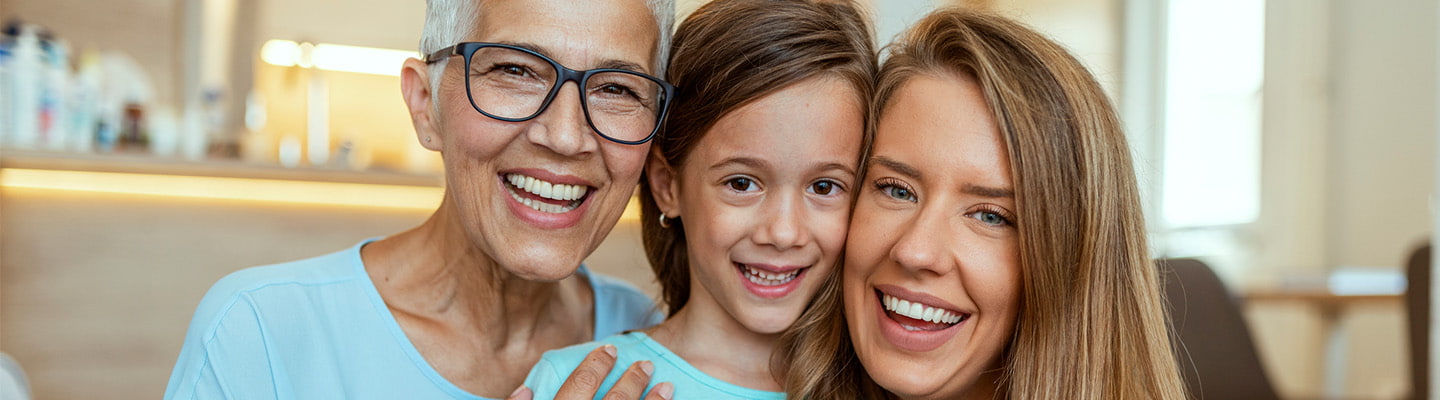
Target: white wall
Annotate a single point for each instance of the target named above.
(1383, 128)
(1349, 168)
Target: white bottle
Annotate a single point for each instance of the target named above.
(55, 97)
(6, 93)
(26, 77)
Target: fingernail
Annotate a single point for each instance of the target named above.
(609, 349)
(665, 390)
(648, 367)
(519, 391)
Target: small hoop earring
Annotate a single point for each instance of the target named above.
(664, 222)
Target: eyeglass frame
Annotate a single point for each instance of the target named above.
(563, 74)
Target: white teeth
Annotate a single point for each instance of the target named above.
(920, 311)
(548, 190)
(553, 191)
(765, 278)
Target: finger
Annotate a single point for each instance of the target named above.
(521, 393)
(632, 384)
(663, 391)
(585, 381)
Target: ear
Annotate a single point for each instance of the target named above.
(415, 88)
(664, 183)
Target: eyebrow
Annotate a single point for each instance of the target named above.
(743, 161)
(897, 166)
(604, 64)
(969, 188)
(987, 191)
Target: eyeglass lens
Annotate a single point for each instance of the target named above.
(513, 84)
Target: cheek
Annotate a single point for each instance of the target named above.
(1001, 285)
(624, 162)
(867, 244)
(830, 228)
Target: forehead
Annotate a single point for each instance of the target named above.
(580, 34)
(943, 124)
(816, 120)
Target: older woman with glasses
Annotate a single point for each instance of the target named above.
(543, 111)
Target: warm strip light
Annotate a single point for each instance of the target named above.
(306, 192)
(335, 57)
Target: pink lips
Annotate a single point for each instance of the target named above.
(770, 292)
(537, 218)
(918, 341)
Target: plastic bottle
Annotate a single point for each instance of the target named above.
(25, 76)
(85, 103)
(55, 96)
(6, 92)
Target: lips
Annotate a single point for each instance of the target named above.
(919, 316)
(545, 196)
(545, 200)
(768, 281)
(914, 321)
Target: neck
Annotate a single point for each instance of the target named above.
(715, 343)
(435, 274)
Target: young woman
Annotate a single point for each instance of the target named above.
(747, 192)
(997, 248)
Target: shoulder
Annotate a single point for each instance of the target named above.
(338, 267)
(228, 335)
(557, 365)
(619, 306)
(567, 358)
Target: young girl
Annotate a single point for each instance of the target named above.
(998, 249)
(747, 192)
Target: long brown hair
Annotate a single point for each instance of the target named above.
(726, 55)
(1092, 323)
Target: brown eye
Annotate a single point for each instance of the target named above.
(740, 184)
(824, 188)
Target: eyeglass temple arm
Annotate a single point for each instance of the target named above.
(439, 55)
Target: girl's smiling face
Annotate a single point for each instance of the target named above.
(932, 270)
(764, 199)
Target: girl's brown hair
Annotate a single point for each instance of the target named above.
(1092, 323)
(728, 54)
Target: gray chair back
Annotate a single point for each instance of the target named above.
(1216, 354)
(1417, 307)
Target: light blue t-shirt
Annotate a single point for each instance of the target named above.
(556, 365)
(318, 329)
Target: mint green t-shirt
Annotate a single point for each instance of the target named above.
(547, 376)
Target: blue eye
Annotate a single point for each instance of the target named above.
(990, 218)
(896, 190)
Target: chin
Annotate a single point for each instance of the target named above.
(541, 269)
(919, 385)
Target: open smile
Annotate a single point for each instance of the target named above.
(545, 196)
(770, 281)
(914, 321)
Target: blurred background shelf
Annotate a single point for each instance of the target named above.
(138, 163)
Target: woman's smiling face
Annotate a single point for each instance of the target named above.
(932, 270)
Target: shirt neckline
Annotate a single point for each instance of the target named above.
(406, 346)
(698, 375)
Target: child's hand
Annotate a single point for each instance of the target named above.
(585, 381)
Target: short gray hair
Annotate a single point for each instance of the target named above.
(449, 21)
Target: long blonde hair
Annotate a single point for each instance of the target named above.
(1092, 323)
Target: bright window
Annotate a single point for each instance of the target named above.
(1214, 67)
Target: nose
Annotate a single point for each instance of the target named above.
(924, 245)
(783, 227)
(562, 127)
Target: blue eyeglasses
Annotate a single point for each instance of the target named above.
(514, 84)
